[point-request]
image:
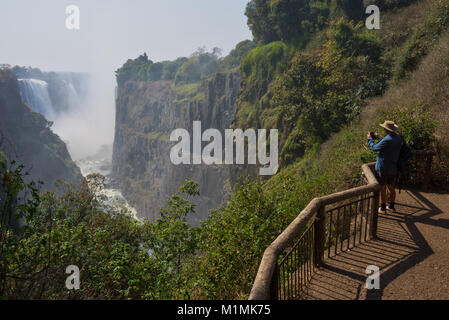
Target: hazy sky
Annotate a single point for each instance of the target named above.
(33, 32)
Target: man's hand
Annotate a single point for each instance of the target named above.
(375, 136)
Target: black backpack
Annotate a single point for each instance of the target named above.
(404, 156)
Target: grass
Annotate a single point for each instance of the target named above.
(188, 92)
(424, 38)
(158, 136)
(259, 68)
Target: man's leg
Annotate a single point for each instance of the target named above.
(383, 194)
(391, 196)
(383, 198)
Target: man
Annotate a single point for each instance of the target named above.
(387, 162)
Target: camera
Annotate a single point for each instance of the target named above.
(373, 135)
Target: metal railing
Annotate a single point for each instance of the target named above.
(327, 226)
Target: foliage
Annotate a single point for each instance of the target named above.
(259, 22)
(118, 257)
(423, 40)
(353, 9)
(186, 70)
(27, 72)
(171, 239)
(258, 69)
(236, 55)
(297, 20)
(134, 69)
(6, 76)
(415, 125)
(233, 240)
(200, 65)
(388, 4)
(287, 20)
(323, 90)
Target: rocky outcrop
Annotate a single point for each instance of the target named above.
(27, 138)
(146, 114)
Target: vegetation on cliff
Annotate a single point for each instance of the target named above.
(200, 65)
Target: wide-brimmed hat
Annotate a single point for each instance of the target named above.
(390, 126)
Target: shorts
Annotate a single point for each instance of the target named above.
(386, 177)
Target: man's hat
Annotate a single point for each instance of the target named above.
(390, 126)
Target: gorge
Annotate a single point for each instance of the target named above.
(146, 114)
(60, 100)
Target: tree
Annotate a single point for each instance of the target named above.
(236, 55)
(322, 91)
(259, 22)
(353, 9)
(287, 20)
(288, 17)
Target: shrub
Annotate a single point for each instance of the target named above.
(323, 90)
(292, 21)
(258, 69)
(415, 125)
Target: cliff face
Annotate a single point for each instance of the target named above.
(146, 114)
(26, 137)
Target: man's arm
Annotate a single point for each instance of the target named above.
(376, 147)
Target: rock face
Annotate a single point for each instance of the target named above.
(27, 138)
(146, 114)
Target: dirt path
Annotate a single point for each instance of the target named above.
(412, 252)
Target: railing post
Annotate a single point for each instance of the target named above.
(374, 214)
(320, 238)
(274, 285)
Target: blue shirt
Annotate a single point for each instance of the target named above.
(388, 148)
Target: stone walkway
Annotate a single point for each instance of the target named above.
(412, 252)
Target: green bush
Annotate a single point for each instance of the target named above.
(353, 9)
(323, 91)
(200, 65)
(234, 58)
(258, 70)
(118, 257)
(415, 125)
(292, 21)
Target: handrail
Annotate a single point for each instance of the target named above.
(261, 286)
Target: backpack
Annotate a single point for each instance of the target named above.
(404, 156)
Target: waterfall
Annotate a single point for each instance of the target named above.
(72, 99)
(34, 92)
(58, 100)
